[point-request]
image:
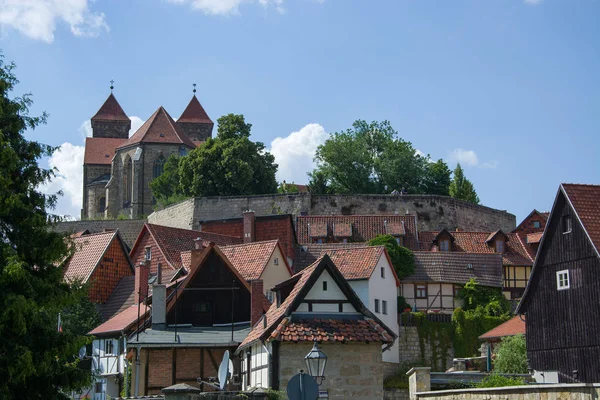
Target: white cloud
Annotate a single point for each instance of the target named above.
(533, 2)
(136, 122)
(68, 160)
(468, 158)
(38, 19)
(226, 7)
(295, 152)
(85, 129)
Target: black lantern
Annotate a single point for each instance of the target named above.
(315, 362)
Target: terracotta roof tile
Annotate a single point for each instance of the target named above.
(517, 252)
(100, 151)
(395, 228)
(160, 128)
(194, 113)
(441, 266)
(584, 199)
(317, 229)
(250, 259)
(534, 237)
(512, 327)
(330, 330)
(342, 230)
(121, 322)
(364, 227)
(89, 250)
(111, 111)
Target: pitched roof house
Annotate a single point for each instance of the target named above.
(532, 228)
(318, 304)
(561, 299)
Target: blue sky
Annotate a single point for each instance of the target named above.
(510, 88)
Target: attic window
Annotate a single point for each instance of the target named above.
(562, 280)
(537, 224)
(148, 253)
(567, 223)
(499, 246)
(324, 286)
(445, 245)
(276, 261)
(162, 135)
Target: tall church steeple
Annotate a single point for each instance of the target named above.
(111, 121)
(195, 122)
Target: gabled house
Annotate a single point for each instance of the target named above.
(356, 229)
(370, 273)
(562, 297)
(163, 245)
(439, 276)
(517, 255)
(100, 260)
(209, 311)
(532, 228)
(318, 304)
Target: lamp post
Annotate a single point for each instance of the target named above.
(316, 361)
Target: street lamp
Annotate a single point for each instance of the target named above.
(316, 361)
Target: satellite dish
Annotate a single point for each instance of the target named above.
(224, 370)
(302, 387)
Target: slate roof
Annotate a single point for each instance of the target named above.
(448, 267)
(195, 113)
(517, 252)
(585, 200)
(111, 111)
(302, 283)
(120, 299)
(122, 321)
(159, 128)
(330, 330)
(512, 327)
(89, 250)
(250, 259)
(100, 151)
(173, 241)
(364, 227)
(354, 262)
(191, 337)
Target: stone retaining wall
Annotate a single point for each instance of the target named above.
(410, 349)
(396, 394)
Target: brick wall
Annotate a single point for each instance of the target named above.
(138, 254)
(113, 266)
(353, 371)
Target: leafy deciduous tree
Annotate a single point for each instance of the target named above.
(462, 188)
(511, 356)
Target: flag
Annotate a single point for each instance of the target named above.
(59, 323)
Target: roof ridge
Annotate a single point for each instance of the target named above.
(247, 244)
(97, 234)
(356, 215)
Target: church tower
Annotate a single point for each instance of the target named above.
(195, 122)
(111, 121)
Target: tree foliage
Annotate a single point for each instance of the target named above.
(402, 258)
(483, 299)
(285, 187)
(372, 158)
(36, 361)
(228, 165)
(511, 356)
(462, 188)
(81, 316)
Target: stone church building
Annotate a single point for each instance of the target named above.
(118, 168)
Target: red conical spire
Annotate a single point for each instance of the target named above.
(194, 113)
(111, 111)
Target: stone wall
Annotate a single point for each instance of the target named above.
(577, 391)
(353, 371)
(433, 212)
(410, 350)
(180, 215)
(396, 394)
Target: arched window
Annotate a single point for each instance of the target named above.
(102, 204)
(127, 181)
(158, 167)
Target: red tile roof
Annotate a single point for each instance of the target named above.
(100, 151)
(342, 230)
(173, 241)
(122, 321)
(585, 201)
(194, 113)
(364, 227)
(160, 128)
(89, 250)
(534, 237)
(330, 330)
(250, 259)
(517, 252)
(111, 111)
(512, 327)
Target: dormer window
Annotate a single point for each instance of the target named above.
(399, 240)
(499, 246)
(148, 253)
(444, 245)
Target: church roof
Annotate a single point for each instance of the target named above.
(100, 150)
(194, 113)
(111, 111)
(160, 128)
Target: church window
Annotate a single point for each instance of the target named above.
(102, 204)
(127, 181)
(159, 166)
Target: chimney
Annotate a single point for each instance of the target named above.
(159, 307)
(141, 282)
(249, 222)
(197, 252)
(256, 301)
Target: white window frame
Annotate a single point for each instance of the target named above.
(565, 282)
(148, 253)
(566, 218)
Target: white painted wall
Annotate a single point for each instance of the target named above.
(107, 365)
(333, 291)
(259, 358)
(361, 287)
(385, 289)
(276, 271)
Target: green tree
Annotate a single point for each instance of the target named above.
(228, 165)
(437, 178)
(483, 299)
(285, 187)
(400, 167)
(462, 188)
(81, 316)
(511, 356)
(402, 258)
(318, 183)
(36, 360)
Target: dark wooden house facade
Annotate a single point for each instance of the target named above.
(562, 299)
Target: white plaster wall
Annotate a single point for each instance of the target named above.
(333, 291)
(274, 274)
(259, 357)
(385, 289)
(361, 288)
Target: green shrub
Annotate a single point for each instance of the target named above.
(402, 258)
(495, 380)
(276, 394)
(511, 356)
